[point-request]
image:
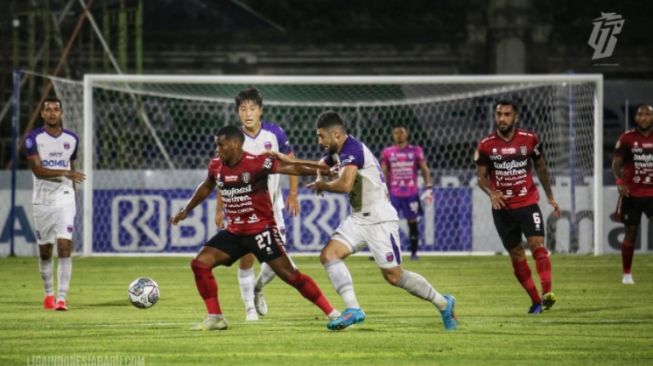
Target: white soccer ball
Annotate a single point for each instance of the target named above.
(143, 292)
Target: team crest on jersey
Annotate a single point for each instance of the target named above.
(245, 177)
(66, 145)
(69, 228)
(389, 257)
(267, 145)
(523, 149)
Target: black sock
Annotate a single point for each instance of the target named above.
(413, 236)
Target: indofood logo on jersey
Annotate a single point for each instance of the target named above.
(230, 192)
(509, 165)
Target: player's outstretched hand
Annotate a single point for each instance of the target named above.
(556, 207)
(498, 200)
(427, 196)
(623, 190)
(75, 175)
(315, 186)
(292, 205)
(219, 220)
(180, 216)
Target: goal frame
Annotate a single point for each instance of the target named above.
(90, 79)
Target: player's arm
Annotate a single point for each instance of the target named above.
(34, 162)
(618, 171)
(496, 197)
(385, 171)
(342, 184)
(219, 211)
(427, 196)
(543, 174)
(202, 191)
(292, 166)
(292, 202)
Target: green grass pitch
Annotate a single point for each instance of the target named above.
(597, 320)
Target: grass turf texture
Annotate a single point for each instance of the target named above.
(596, 320)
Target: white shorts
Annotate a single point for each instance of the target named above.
(52, 222)
(382, 239)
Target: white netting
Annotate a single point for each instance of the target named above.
(152, 140)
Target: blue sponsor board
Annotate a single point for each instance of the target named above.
(136, 221)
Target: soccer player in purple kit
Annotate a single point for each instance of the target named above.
(400, 163)
(261, 137)
(51, 153)
(504, 163)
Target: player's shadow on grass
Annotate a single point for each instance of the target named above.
(107, 304)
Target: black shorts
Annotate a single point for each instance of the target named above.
(633, 207)
(266, 245)
(512, 223)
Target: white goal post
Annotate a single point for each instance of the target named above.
(147, 140)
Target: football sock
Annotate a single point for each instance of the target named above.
(413, 236)
(246, 281)
(64, 272)
(543, 265)
(627, 253)
(523, 274)
(47, 275)
(264, 277)
(341, 280)
(206, 286)
(310, 290)
(417, 285)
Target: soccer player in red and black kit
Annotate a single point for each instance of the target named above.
(504, 165)
(632, 165)
(242, 179)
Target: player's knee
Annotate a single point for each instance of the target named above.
(392, 277)
(246, 262)
(327, 256)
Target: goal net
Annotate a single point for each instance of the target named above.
(147, 141)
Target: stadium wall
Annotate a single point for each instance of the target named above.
(134, 220)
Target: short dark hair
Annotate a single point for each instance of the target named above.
(507, 102)
(330, 119)
(399, 125)
(231, 132)
(251, 94)
(51, 100)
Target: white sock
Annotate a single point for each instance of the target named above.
(246, 281)
(341, 280)
(47, 273)
(264, 277)
(417, 285)
(64, 272)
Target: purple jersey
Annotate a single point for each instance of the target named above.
(403, 164)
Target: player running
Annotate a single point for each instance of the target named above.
(632, 165)
(242, 179)
(503, 161)
(373, 222)
(51, 153)
(400, 163)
